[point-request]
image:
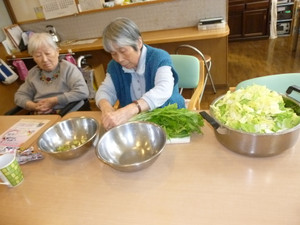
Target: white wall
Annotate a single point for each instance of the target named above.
(4, 20)
(166, 15)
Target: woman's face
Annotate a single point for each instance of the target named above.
(46, 57)
(127, 56)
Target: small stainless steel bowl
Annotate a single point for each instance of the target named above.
(66, 131)
(132, 146)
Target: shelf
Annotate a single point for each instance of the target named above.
(283, 35)
(285, 20)
(285, 4)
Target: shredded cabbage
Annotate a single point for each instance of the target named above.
(255, 109)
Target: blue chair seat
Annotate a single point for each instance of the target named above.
(190, 71)
(278, 83)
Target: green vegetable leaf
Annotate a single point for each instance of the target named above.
(176, 122)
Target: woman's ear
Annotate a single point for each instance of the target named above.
(140, 43)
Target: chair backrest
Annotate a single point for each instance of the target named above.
(188, 69)
(191, 75)
(278, 83)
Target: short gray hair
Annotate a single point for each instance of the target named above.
(37, 40)
(122, 32)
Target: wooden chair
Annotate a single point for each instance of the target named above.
(207, 61)
(191, 75)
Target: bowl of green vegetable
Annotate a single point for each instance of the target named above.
(255, 121)
(69, 138)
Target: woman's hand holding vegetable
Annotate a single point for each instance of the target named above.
(112, 117)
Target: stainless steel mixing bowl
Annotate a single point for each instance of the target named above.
(254, 144)
(131, 146)
(63, 133)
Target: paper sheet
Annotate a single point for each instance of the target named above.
(78, 42)
(82, 42)
(86, 5)
(9, 46)
(20, 132)
(58, 8)
(14, 33)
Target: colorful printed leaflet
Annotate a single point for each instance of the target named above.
(20, 132)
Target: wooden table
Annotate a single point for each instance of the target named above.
(193, 184)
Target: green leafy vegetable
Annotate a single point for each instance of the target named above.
(177, 123)
(255, 109)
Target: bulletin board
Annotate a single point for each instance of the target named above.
(22, 11)
(26, 10)
(32, 9)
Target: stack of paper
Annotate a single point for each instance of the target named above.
(14, 33)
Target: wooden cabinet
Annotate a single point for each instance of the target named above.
(236, 10)
(248, 19)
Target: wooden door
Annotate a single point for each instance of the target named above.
(235, 19)
(255, 23)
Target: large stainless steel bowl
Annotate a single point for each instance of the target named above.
(131, 146)
(253, 144)
(66, 131)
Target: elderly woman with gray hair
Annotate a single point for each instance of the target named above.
(52, 83)
(141, 77)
